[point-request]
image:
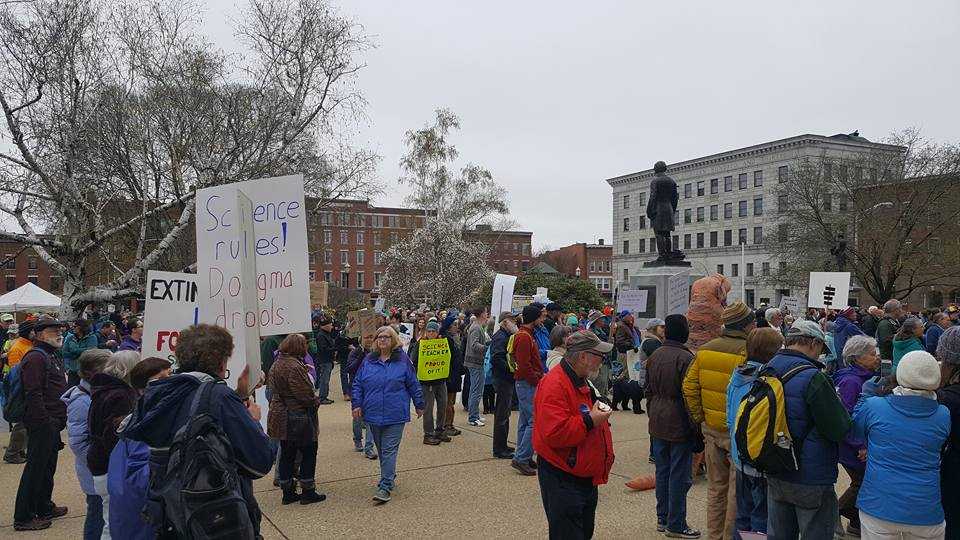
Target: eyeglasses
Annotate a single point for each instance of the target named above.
(384, 337)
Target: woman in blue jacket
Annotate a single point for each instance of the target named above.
(382, 390)
(904, 434)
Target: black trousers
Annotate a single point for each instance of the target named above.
(36, 482)
(308, 463)
(569, 502)
(501, 415)
(489, 398)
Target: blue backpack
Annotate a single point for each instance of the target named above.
(14, 402)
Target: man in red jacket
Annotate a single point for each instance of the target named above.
(529, 372)
(572, 438)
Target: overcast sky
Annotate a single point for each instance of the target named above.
(554, 97)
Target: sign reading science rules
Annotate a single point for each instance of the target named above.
(433, 359)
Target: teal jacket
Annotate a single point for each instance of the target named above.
(73, 347)
(902, 347)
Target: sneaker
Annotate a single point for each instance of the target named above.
(54, 513)
(651, 460)
(370, 455)
(382, 495)
(532, 464)
(686, 533)
(35, 524)
(326, 401)
(357, 447)
(477, 423)
(503, 455)
(451, 431)
(311, 496)
(661, 527)
(16, 460)
(442, 437)
(523, 468)
(431, 440)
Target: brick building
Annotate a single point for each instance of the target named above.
(22, 264)
(586, 261)
(510, 251)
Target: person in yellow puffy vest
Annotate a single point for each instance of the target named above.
(705, 392)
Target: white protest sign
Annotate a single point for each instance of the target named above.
(279, 243)
(829, 290)
(502, 298)
(380, 305)
(171, 305)
(678, 293)
(791, 303)
(248, 281)
(634, 301)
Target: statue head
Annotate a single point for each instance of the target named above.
(660, 167)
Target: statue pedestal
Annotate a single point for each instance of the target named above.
(655, 279)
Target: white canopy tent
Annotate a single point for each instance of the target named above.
(29, 296)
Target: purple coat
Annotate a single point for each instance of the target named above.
(849, 382)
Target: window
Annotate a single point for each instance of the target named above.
(343, 257)
(765, 268)
(783, 234)
(714, 186)
(11, 283)
(749, 269)
(676, 217)
(742, 209)
(828, 170)
(377, 277)
(757, 178)
(713, 212)
(626, 247)
(741, 236)
(728, 237)
(842, 203)
(782, 203)
(642, 245)
(751, 297)
(687, 213)
(686, 241)
(313, 276)
(713, 238)
(32, 263)
(526, 249)
(327, 237)
(720, 269)
(642, 223)
(699, 239)
(360, 237)
(687, 191)
(700, 214)
(727, 183)
(327, 277)
(626, 201)
(313, 257)
(394, 237)
(607, 265)
(758, 235)
(676, 242)
(626, 274)
(343, 237)
(643, 199)
(782, 173)
(360, 280)
(327, 256)
(377, 257)
(781, 268)
(742, 181)
(626, 224)
(345, 280)
(827, 202)
(758, 206)
(727, 210)
(734, 269)
(359, 256)
(699, 188)
(377, 238)
(593, 266)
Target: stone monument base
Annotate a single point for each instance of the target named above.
(674, 258)
(655, 279)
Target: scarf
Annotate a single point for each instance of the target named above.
(903, 391)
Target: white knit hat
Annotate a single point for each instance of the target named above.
(918, 370)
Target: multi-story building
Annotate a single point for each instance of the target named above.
(510, 251)
(592, 262)
(727, 200)
(347, 240)
(22, 265)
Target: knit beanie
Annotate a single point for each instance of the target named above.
(918, 370)
(532, 312)
(948, 347)
(737, 316)
(676, 328)
(433, 325)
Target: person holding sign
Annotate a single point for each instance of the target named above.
(381, 396)
(430, 356)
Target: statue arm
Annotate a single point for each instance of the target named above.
(652, 203)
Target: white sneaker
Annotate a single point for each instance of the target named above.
(477, 423)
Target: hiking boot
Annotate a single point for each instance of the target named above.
(382, 495)
(431, 440)
(289, 494)
(451, 431)
(54, 513)
(686, 533)
(523, 468)
(311, 496)
(35, 524)
(442, 437)
(16, 460)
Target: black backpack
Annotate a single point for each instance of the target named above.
(200, 491)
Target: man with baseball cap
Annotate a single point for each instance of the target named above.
(5, 321)
(571, 421)
(803, 503)
(503, 384)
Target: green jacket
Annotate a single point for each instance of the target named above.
(885, 331)
(268, 347)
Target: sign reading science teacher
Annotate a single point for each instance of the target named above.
(433, 359)
(280, 248)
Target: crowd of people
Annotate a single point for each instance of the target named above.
(874, 392)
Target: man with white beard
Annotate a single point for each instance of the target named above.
(45, 415)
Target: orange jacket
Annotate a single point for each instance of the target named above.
(17, 350)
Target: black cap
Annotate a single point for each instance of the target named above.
(553, 306)
(47, 323)
(25, 328)
(532, 312)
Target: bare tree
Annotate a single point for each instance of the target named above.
(885, 217)
(115, 113)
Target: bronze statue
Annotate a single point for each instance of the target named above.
(661, 206)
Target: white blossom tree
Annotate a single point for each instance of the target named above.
(114, 113)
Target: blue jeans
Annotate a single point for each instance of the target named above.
(673, 463)
(524, 451)
(476, 392)
(751, 504)
(93, 524)
(358, 429)
(387, 438)
(323, 379)
(800, 511)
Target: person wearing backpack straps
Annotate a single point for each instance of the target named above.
(948, 353)
(803, 503)
(502, 372)
(202, 354)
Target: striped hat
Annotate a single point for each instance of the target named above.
(737, 315)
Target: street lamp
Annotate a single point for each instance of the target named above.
(346, 270)
(577, 272)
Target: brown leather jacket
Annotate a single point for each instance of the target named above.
(669, 419)
(291, 390)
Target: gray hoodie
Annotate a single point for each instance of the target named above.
(477, 342)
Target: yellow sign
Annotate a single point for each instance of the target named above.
(433, 359)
